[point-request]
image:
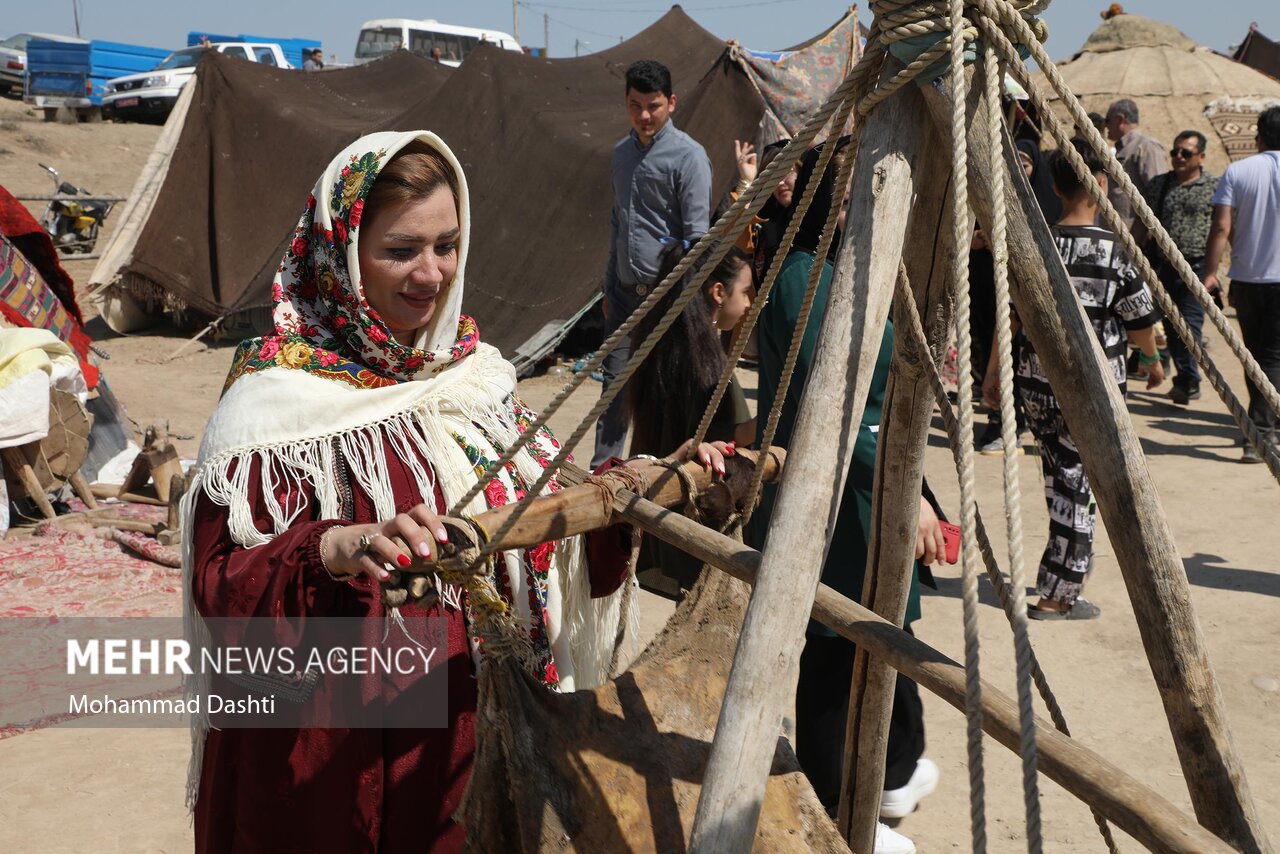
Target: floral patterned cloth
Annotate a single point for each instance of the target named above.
(324, 325)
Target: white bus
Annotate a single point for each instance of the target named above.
(430, 39)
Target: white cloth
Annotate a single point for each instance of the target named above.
(32, 361)
(1252, 188)
(24, 410)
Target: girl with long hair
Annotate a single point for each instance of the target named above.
(668, 394)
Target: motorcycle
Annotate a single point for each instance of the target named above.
(72, 223)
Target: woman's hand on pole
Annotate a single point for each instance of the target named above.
(354, 549)
(710, 454)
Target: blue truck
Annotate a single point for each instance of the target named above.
(72, 74)
(295, 50)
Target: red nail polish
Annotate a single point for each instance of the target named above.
(403, 559)
(729, 450)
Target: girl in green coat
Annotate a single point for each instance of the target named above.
(826, 665)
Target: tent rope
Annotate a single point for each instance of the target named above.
(1117, 174)
(1009, 436)
(757, 306)
(961, 233)
(908, 320)
(806, 307)
(743, 209)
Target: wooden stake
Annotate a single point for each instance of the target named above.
(904, 432)
(1134, 807)
(1153, 572)
(764, 668)
(172, 533)
(81, 487)
(16, 460)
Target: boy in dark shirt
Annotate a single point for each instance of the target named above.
(1118, 306)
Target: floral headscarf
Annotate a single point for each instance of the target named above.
(324, 325)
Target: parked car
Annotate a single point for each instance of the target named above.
(296, 50)
(13, 59)
(152, 94)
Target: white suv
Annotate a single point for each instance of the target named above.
(152, 94)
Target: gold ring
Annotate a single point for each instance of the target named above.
(366, 541)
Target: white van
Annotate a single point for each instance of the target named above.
(382, 36)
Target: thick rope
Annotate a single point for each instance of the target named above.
(1009, 435)
(866, 69)
(1166, 304)
(761, 299)
(961, 236)
(913, 326)
(743, 209)
(806, 306)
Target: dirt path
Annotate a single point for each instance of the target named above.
(65, 790)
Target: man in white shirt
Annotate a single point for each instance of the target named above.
(1246, 212)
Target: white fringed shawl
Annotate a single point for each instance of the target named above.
(293, 424)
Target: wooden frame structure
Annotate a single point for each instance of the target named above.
(899, 176)
(888, 179)
(900, 203)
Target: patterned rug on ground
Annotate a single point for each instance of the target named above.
(57, 573)
(65, 573)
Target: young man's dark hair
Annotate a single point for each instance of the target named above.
(648, 75)
(1065, 179)
(1269, 128)
(1201, 142)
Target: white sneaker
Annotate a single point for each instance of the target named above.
(899, 803)
(890, 841)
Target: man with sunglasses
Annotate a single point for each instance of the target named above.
(1182, 200)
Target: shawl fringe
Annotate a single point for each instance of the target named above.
(436, 426)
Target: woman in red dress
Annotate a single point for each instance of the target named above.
(371, 408)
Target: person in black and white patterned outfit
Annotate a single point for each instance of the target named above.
(1119, 307)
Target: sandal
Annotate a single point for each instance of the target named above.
(1083, 609)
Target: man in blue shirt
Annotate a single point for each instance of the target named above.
(662, 192)
(1246, 213)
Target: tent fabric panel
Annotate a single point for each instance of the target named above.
(535, 137)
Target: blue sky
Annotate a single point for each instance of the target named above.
(760, 24)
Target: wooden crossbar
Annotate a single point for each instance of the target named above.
(1134, 807)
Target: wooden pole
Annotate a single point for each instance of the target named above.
(1136, 808)
(589, 506)
(1153, 572)
(904, 432)
(764, 668)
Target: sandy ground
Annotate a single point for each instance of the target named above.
(121, 790)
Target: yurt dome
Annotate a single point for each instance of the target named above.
(1171, 79)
